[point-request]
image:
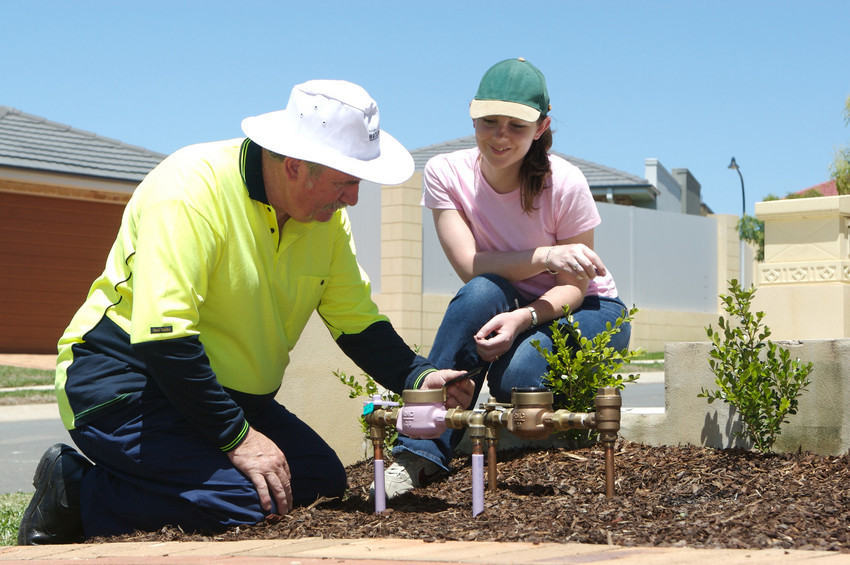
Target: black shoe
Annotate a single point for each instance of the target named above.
(53, 515)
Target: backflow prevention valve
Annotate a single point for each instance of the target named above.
(530, 415)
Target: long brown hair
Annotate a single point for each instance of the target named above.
(534, 169)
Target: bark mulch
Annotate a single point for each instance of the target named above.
(666, 496)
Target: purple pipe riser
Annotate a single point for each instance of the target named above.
(380, 491)
(422, 421)
(477, 483)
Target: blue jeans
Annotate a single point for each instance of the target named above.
(454, 348)
(153, 468)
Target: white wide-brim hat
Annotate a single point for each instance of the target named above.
(334, 123)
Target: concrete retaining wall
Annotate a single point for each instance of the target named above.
(821, 424)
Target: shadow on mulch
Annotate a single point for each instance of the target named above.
(666, 496)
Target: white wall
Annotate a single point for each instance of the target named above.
(660, 260)
(366, 226)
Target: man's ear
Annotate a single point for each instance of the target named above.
(292, 167)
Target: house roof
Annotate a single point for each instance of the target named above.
(827, 188)
(599, 177)
(31, 142)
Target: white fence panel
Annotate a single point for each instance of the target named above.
(659, 260)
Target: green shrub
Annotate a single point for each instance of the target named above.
(369, 388)
(579, 366)
(754, 375)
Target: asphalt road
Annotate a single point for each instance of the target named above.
(644, 395)
(22, 443)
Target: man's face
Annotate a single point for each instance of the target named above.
(325, 193)
(305, 196)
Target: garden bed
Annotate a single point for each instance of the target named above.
(666, 496)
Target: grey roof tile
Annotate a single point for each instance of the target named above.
(32, 142)
(598, 176)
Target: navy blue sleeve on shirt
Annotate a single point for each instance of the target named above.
(381, 353)
(181, 369)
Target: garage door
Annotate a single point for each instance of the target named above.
(51, 249)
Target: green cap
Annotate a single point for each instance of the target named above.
(513, 87)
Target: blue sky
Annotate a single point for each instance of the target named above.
(691, 83)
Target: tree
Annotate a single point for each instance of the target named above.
(751, 230)
(840, 168)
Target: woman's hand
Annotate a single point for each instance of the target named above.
(575, 259)
(496, 337)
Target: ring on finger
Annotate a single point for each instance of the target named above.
(577, 267)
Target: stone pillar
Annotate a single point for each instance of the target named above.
(804, 280)
(401, 258)
(728, 255)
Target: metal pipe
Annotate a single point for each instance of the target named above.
(609, 470)
(377, 434)
(378, 419)
(608, 404)
(492, 450)
(530, 415)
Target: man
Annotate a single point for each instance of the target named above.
(166, 376)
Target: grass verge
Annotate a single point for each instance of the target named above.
(646, 362)
(12, 508)
(21, 376)
(13, 377)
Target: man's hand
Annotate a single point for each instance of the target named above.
(458, 394)
(264, 464)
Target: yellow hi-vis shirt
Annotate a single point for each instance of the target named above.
(197, 256)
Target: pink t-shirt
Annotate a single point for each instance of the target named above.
(565, 208)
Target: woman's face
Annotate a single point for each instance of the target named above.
(504, 141)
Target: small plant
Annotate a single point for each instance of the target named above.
(369, 389)
(579, 366)
(754, 375)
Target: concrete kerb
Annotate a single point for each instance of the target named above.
(24, 412)
(311, 551)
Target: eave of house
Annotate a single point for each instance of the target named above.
(49, 158)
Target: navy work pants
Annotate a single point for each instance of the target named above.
(153, 469)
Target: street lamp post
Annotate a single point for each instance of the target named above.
(734, 165)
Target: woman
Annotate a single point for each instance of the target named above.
(517, 226)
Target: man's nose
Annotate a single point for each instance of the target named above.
(350, 195)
